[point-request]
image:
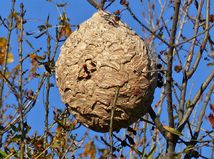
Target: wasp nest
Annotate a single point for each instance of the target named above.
(102, 56)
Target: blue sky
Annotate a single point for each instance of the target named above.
(78, 11)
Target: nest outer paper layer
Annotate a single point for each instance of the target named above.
(104, 54)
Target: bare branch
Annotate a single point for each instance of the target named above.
(48, 86)
(169, 64)
(102, 3)
(27, 107)
(144, 26)
(3, 71)
(4, 66)
(10, 85)
(157, 122)
(188, 62)
(94, 3)
(202, 112)
(194, 101)
(112, 1)
(132, 147)
(196, 27)
(195, 36)
(198, 58)
(20, 99)
(171, 144)
(97, 5)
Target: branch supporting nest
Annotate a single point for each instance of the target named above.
(97, 5)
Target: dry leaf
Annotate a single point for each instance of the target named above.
(33, 66)
(211, 120)
(178, 68)
(34, 56)
(117, 12)
(211, 17)
(212, 107)
(90, 150)
(3, 42)
(65, 30)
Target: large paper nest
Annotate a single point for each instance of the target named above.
(102, 56)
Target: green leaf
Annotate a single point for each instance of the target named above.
(173, 131)
(3, 154)
(30, 44)
(210, 64)
(151, 153)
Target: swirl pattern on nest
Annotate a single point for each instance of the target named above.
(102, 55)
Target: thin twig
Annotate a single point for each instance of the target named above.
(20, 99)
(179, 35)
(188, 61)
(157, 122)
(202, 112)
(195, 36)
(144, 26)
(112, 1)
(27, 107)
(188, 73)
(56, 46)
(43, 152)
(147, 121)
(161, 100)
(47, 91)
(130, 146)
(196, 27)
(195, 100)
(102, 3)
(194, 140)
(94, 4)
(198, 57)
(112, 120)
(4, 66)
(10, 85)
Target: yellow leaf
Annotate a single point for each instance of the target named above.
(3, 41)
(17, 19)
(33, 56)
(10, 58)
(210, 64)
(7, 74)
(67, 30)
(173, 131)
